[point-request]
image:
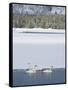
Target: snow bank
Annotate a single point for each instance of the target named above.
(38, 30)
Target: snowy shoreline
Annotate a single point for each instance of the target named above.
(38, 30)
(52, 36)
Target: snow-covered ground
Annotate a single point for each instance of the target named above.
(38, 30)
(49, 36)
(42, 49)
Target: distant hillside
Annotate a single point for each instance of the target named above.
(38, 16)
(31, 21)
(37, 9)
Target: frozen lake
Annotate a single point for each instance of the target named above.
(43, 49)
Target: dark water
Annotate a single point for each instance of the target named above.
(21, 78)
